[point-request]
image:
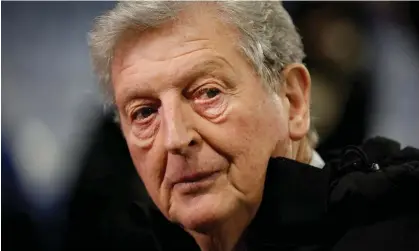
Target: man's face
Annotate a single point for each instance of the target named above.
(199, 125)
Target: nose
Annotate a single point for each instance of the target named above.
(179, 134)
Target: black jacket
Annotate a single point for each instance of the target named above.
(365, 198)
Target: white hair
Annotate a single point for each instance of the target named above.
(268, 38)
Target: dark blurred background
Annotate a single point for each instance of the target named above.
(363, 57)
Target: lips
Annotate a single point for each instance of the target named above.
(195, 181)
(194, 177)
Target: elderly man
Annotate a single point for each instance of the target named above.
(213, 101)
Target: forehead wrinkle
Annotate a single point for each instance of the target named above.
(128, 60)
(131, 75)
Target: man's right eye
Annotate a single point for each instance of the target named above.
(144, 113)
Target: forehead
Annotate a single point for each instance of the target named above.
(196, 26)
(175, 46)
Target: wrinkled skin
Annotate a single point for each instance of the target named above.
(199, 125)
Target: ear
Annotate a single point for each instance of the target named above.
(297, 88)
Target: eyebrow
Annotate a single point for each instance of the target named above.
(206, 67)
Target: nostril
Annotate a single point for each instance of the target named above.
(192, 143)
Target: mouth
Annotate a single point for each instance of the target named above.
(196, 182)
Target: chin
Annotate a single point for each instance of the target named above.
(202, 213)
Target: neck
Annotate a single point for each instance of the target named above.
(300, 150)
(303, 152)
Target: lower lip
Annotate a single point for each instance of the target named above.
(196, 186)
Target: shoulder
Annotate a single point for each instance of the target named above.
(375, 172)
(374, 196)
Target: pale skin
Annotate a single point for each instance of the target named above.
(200, 127)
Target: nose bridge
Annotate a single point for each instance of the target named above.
(175, 121)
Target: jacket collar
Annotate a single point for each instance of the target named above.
(294, 204)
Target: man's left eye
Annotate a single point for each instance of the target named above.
(208, 93)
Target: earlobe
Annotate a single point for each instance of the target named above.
(298, 127)
(297, 90)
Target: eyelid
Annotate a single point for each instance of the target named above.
(143, 121)
(211, 83)
(203, 90)
(134, 104)
(133, 108)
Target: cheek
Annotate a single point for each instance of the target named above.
(257, 129)
(144, 135)
(144, 150)
(150, 166)
(139, 158)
